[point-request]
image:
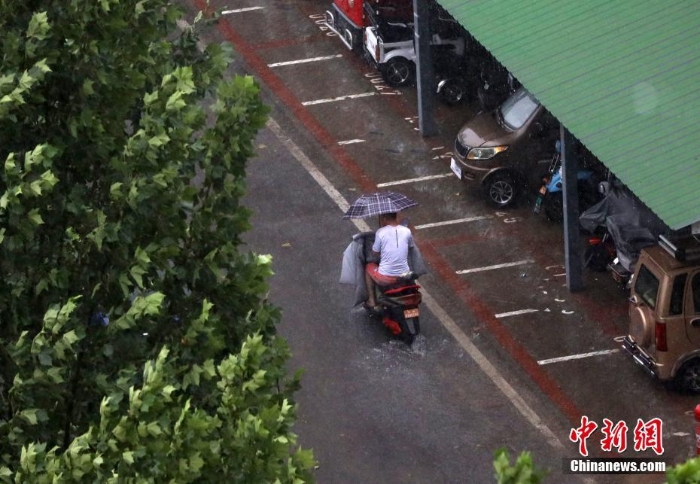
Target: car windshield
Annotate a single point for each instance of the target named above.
(647, 286)
(517, 109)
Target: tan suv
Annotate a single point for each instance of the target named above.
(664, 312)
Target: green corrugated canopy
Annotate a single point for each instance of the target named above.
(623, 76)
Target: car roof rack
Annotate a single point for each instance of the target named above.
(685, 248)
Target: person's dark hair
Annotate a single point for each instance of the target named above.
(390, 216)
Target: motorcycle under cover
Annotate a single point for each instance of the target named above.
(631, 224)
(355, 256)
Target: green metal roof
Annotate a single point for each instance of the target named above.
(623, 76)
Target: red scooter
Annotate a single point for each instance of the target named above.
(400, 311)
(399, 302)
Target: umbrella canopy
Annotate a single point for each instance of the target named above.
(378, 204)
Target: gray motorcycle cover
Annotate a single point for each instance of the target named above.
(630, 223)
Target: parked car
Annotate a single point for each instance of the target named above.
(664, 313)
(348, 18)
(507, 149)
(390, 45)
(495, 83)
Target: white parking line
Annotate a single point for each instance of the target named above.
(576, 357)
(304, 61)
(351, 141)
(515, 313)
(340, 98)
(497, 266)
(452, 222)
(448, 323)
(414, 180)
(239, 10)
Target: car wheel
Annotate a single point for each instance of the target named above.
(452, 92)
(554, 206)
(688, 377)
(500, 190)
(398, 72)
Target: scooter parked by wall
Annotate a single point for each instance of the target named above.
(550, 195)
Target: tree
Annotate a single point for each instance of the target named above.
(522, 471)
(136, 343)
(687, 472)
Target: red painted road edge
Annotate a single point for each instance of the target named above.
(480, 310)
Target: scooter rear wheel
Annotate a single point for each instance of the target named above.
(554, 206)
(595, 258)
(410, 329)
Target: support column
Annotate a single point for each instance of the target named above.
(572, 228)
(425, 78)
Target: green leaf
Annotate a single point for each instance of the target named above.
(175, 102)
(87, 87)
(45, 358)
(137, 273)
(35, 217)
(115, 190)
(70, 338)
(10, 166)
(38, 26)
(128, 457)
(30, 415)
(159, 140)
(55, 375)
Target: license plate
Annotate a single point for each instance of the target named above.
(543, 190)
(455, 168)
(411, 313)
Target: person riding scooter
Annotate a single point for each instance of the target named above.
(391, 246)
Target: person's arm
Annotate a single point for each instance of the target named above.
(376, 249)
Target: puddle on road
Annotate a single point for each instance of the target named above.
(380, 352)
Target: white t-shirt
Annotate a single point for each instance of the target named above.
(392, 242)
